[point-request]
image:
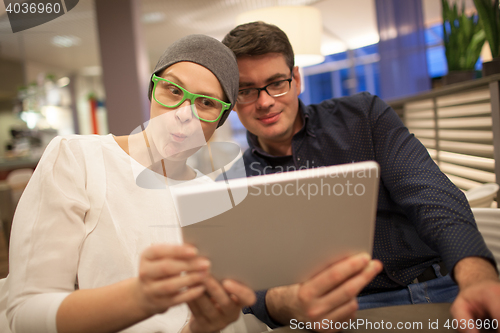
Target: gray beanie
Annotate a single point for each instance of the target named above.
(209, 53)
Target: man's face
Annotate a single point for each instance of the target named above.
(272, 119)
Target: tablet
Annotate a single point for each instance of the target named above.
(280, 229)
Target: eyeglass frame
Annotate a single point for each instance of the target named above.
(188, 95)
(265, 89)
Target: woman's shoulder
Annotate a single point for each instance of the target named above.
(74, 143)
(77, 138)
(71, 149)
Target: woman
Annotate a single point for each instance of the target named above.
(83, 221)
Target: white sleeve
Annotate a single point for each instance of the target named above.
(47, 233)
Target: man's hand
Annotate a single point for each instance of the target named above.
(219, 306)
(331, 294)
(479, 296)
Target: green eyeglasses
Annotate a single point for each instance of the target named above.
(171, 95)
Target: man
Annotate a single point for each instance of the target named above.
(424, 225)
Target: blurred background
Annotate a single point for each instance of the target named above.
(51, 76)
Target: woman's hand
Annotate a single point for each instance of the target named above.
(169, 275)
(219, 306)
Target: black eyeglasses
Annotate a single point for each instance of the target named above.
(274, 89)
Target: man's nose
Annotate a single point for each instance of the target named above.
(184, 112)
(264, 100)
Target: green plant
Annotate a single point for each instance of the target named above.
(50, 77)
(463, 37)
(489, 14)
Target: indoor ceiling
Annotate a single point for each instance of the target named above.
(349, 23)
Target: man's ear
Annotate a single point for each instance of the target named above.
(297, 79)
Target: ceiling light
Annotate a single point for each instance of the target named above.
(153, 17)
(66, 41)
(63, 82)
(332, 47)
(362, 41)
(302, 24)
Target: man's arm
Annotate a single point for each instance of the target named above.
(331, 294)
(439, 211)
(479, 296)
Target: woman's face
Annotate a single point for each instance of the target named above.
(177, 133)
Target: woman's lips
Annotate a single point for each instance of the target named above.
(270, 118)
(178, 137)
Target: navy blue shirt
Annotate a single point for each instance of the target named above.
(422, 217)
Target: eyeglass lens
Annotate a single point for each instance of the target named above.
(275, 89)
(171, 95)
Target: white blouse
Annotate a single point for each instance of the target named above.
(82, 216)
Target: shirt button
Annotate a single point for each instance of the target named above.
(298, 158)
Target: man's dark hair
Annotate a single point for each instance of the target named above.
(258, 38)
